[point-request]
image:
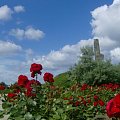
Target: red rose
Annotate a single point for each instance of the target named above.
(84, 87)
(11, 95)
(71, 98)
(66, 98)
(29, 90)
(89, 101)
(35, 68)
(96, 97)
(101, 103)
(95, 103)
(22, 80)
(84, 102)
(17, 91)
(33, 74)
(115, 86)
(48, 77)
(113, 107)
(2, 87)
(32, 82)
(77, 103)
(36, 82)
(30, 94)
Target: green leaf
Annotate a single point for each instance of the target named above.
(38, 117)
(6, 105)
(57, 101)
(31, 102)
(56, 117)
(91, 108)
(60, 111)
(69, 107)
(19, 118)
(22, 103)
(1, 114)
(28, 116)
(64, 116)
(54, 109)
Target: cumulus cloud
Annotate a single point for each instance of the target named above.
(11, 66)
(106, 26)
(29, 54)
(18, 33)
(61, 60)
(116, 2)
(115, 54)
(28, 33)
(7, 48)
(34, 34)
(7, 75)
(105, 21)
(5, 13)
(10, 69)
(19, 9)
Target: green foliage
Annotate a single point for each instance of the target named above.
(56, 103)
(50, 102)
(92, 72)
(62, 80)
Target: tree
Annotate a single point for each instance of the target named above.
(94, 72)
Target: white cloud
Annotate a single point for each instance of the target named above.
(11, 66)
(116, 2)
(106, 26)
(106, 43)
(29, 54)
(106, 22)
(28, 33)
(61, 60)
(115, 54)
(5, 13)
(10, 69)
(18, 33)
(19, 9)
(34, 34)
(7, 48)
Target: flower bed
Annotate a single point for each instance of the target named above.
(30, 100)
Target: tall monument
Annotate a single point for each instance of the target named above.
(98, 55)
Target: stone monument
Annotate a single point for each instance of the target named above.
(98, 55)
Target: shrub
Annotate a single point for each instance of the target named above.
(92, 72)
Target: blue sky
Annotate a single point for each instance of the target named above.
(62, 21)
(51, 32)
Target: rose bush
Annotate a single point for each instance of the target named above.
(30, 100)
